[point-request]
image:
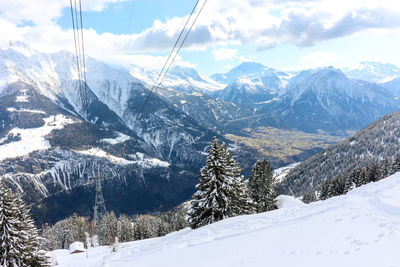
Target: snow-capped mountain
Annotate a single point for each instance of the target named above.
(40, 121)
(326, 100)
(252, 84)
(358, 229)
(373, 72)
(180, 78)
(244, 69)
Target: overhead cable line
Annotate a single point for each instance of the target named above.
(77, 25)
(165, 70)
(85, 92)
(130, 15)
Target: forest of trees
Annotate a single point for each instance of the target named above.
(343, 183)
(111, 229)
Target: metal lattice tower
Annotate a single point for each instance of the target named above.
(99, 205)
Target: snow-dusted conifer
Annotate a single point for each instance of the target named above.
(125, 229)
(386, 168)
(309, 197)
(373, 172)
(146, 226)
(19, 241)
(262, 186)
(31, 239)
(11, 240)
(107, 230)
(396, 163)
(220, 192)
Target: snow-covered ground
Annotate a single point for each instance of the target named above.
(280, 173)
(32, 139)
(361, 228)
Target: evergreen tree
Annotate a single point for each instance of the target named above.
(145, 226)
(396, 163)
(125, 229)
(11, 240)
(373, 172)
(385, 166)
(107, 230)
(19, 241)
(220, 192)
(309, 197)
(262, 186)
(32, 241)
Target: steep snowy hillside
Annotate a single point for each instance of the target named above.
(379, 140)
(361, 228)
(373, 72)
(326, 100)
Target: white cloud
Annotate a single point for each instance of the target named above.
(224, 54)
(319, 59)
(263, 24)
(44, 11)
(267, 24)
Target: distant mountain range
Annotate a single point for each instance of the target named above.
(49, 149)
(375, 72)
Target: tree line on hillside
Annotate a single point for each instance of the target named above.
(377, 141)
(111, 229)
(343, 183)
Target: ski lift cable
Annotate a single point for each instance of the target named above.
(84, 62)
(76, 46)
(166, 62)
(130, 16)
(77, 28)
(77, 25)
(176, 54)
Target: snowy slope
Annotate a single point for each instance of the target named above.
(361, 228)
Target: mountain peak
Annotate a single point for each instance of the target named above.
(248, 68)
(373, 71)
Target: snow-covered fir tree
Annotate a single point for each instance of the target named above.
(262, 186)
(19, 241)
(107, 229)
(125, 229)
(396, 163)
(221, 192)
(32, 255)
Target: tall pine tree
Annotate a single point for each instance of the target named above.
(221, 192)
(262, 186)
(19, 240)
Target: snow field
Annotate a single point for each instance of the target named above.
(361, 228)
(139, 158)
(32, 139)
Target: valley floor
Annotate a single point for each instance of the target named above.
(361, 228)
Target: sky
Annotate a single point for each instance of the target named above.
(282, 34)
